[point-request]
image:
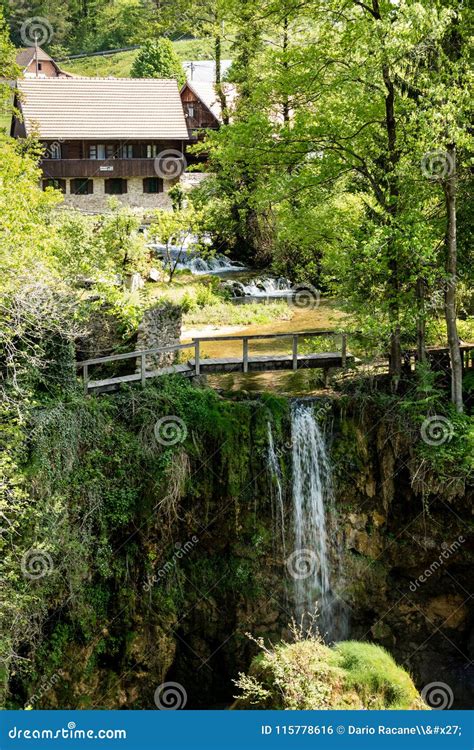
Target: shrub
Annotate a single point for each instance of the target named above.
(307, 674)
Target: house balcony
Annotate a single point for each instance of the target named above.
(71, 168)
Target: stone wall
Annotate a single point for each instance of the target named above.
(161, 326)
(190, 180)
(134, 197)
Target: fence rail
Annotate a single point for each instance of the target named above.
(195, 367)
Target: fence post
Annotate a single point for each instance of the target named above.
(344, 349)
(295, 352)
(245, 346)
(85, 377)
(197, 363)
(143, 369)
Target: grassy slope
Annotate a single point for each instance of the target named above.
(120, 63)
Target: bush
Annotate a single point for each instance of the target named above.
(309, 675)
(158, 59)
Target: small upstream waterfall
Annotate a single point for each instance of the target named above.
(188, 259)
(309, 564)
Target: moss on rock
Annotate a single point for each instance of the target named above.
(309, 675)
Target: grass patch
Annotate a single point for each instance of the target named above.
(226, 313)
(204, 303)
(120, 63)
(309, 675)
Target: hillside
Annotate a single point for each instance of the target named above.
(119, 64)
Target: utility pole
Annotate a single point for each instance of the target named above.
(36, 55)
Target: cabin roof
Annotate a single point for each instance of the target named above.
(90, 108)
(26, 56)
(206, 92)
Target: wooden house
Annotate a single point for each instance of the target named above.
(105, 136)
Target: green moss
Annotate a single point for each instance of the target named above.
(378, 681)
(310, 675)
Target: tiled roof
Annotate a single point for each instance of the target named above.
(206, 92)
(26, 55)
(75, 108)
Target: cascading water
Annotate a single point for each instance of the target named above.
(278, 509)
(309, 563)
(186, 258)
(262, 288)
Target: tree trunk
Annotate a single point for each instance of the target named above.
(219, 88)
(451, 270)
(420, 322)
(286, 103)
(393, 192)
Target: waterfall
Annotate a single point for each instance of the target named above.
(309, 563)
(278, 510)
(188, 259)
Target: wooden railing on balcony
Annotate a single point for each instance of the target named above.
(61, 168)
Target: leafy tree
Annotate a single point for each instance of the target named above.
(158, 59)
(174, 229)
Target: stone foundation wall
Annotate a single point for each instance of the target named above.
(134, 197)
(161, 326)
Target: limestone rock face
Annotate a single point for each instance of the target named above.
(160, 327)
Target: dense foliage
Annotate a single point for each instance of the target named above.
(158, 59)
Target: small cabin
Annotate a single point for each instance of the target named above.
(36, 63)
(201, 106)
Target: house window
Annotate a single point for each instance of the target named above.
(190, 110)
(82, 187)
(54, 151)
(40, 66)
(126, 151)
(115, 186)
(152, 185)
(57, 184)
(101, 151)
(152, 151)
